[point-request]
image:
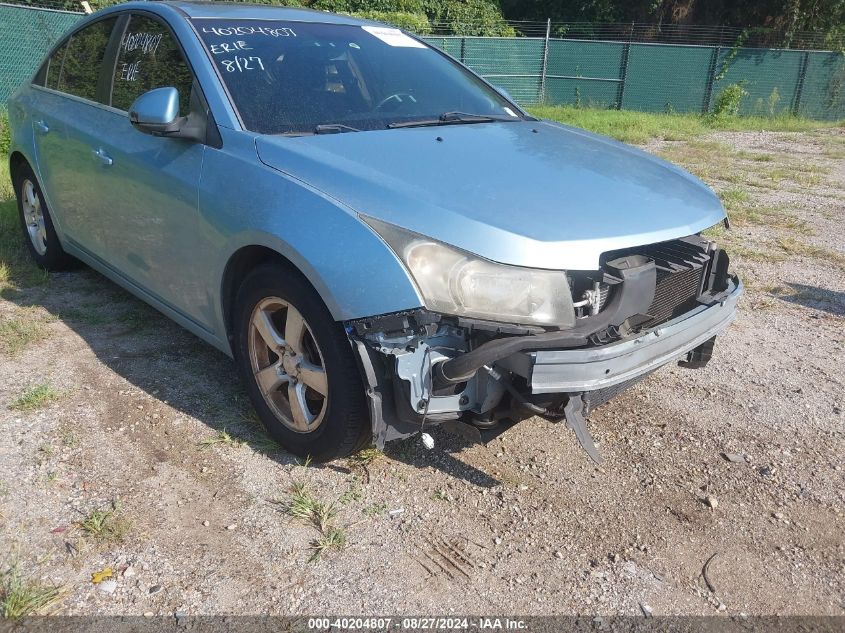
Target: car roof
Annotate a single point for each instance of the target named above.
(243, 10)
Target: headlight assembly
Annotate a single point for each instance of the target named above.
(455, 282)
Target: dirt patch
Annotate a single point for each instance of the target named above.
(526, 524)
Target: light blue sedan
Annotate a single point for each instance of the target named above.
(379, 238)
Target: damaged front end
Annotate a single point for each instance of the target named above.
(644, 307)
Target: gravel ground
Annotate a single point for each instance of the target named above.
(529, 524)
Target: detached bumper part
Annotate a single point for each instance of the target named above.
(588, 369)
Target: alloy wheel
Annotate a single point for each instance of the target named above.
(33, 214)
(288, 365)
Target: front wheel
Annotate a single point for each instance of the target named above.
(298, 367)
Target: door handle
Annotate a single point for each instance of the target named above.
(103, 157)
(42, 127)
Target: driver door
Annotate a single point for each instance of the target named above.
(148, 216)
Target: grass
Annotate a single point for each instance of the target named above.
(639, 127)
(221, 438)
(375, 509)
(20, 596)
(87, 315)
(35, 398)
(366, 456)
(354, 493)
(16, 267)
(304, 506)
(332, 539)
(69, 439)
(307, 508)
(19, 329)
(794, 247)
(105, 525)
(440, 495)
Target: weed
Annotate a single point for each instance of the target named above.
(20, 596)
(792, 246)
(354, 493)
(21, 328)
(304, 506)
(105, 525)
(366, 456)
(375, 509)
(69, 439)
(332, 538)
(728, 101)
(221, 437)
(440, 495)
(35, 398)
(307, 508)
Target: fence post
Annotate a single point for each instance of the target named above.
(802, 73)
(623, 69)
(545, 62)
(711, 77)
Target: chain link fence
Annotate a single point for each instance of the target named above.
(635, 67)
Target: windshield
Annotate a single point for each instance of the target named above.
(306, 78)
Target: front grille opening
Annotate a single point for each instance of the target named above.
(681, 265)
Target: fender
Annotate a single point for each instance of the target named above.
(344, 261)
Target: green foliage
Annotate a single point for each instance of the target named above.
(35, 398)
(20, 596)
(782, 18)
(640, 127)
(462, 17)
(5, 135)
(774, 100)
(729, 100)
(469, 17)
(414, 22)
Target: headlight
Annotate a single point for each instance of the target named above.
(455, 282)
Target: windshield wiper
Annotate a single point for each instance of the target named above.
(333, 128)
(452, 118)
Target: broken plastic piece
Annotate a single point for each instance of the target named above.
(99, 576)
(427, 441)
(574, 412)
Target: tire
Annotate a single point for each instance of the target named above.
(36, 224)
(273, 358)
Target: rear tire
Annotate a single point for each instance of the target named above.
(36, 223)
(298, 366)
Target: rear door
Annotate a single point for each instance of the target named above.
(67, 118)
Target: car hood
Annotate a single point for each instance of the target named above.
(528, 193)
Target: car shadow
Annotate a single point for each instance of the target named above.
(813, 297)
(168, 363)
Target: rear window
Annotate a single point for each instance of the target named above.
(78, 71)
(289, 77)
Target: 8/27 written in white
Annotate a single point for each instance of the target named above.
(242, 64)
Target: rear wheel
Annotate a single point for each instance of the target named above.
(298, 367)
(37, 225)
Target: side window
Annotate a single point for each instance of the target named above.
(80, 71)
(54, 67)
(148, 58)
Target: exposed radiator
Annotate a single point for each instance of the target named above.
(680, 266)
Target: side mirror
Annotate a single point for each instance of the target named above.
(157, 112)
